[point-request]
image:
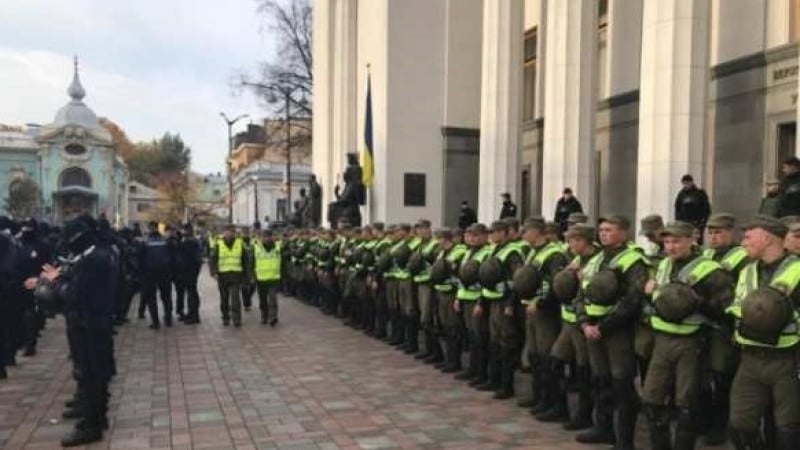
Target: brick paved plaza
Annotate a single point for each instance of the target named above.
(309, 383)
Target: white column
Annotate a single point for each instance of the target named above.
(624, 47)
(541, 57)
(501, 88)
(672, 105)
(322, 144)
(570, 103)
(344, 86)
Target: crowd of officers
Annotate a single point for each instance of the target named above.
(702, 339)
(90, 273)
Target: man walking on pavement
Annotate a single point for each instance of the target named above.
(189, 262)
(267, 273)
(156, 260)
(229, 264)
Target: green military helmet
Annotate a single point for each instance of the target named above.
(490, 272)
(469, 273)
(675, 302)
(565, 285)
(526, 281)
(401, 256)
(384, 262)
(440, 270)
(604, 287)
(765, 312)
(416, 263)
(367, 258)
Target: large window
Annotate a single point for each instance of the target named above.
(529, 77)
(414, 189)
(75, 176)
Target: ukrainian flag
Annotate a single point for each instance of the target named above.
(368, 168)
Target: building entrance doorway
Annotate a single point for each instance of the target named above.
(786, 145)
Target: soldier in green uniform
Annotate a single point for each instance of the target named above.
(407, 293)
(427, 306)
(650, 227)
(399, 252)
(715, 391)
(570, 345)
(445, 283)
(503, 310)
(377, 282)
(689, 292)
(542, 322)
(608, 308)
(766, 311)
(468, 296)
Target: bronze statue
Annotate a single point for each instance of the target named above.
(315, 192)
(346, 207)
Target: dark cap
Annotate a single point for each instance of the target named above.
(788, 220)
(550, 227)
(499, 225)
(767, 223)
(721, 220)
(403, 227)
(444, 233)
(266, 232)
(423, 223)
(567, 190)
(651, 224)
(505, 194)
(580, 230)
(29, 224)
(686, 178)
(230, 227)
(616, 219)
(477, 228)
(513, 222)
(378, 226)
(577, 217)
(534, 223)
(678, 229)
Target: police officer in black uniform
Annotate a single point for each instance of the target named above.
(129, 266)
(156, 260)
(8, 250)
(189, 260)
(87, 288)
(31, 255)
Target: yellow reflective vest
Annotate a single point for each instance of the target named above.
(267, 263)
(230, 258)
(692, 273)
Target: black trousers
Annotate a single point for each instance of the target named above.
(152, 283)
(186, 288)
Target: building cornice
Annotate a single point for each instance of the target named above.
(754, 60)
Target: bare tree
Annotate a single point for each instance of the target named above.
(286, 79)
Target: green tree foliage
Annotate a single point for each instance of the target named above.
(23, 198)
(151, 160)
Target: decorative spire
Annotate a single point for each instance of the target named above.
(75, 90)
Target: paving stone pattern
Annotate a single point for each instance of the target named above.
(308, 384)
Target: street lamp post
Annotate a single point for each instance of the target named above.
(288, 152)
(255, 197)
(230, 123)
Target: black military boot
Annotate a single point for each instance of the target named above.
(788, 439)
(534, 365)
(398, 329)
(748, 440)
(582, 418)
(492, 383)
(481, 363)
(658, 421)
(627, 411)
(412, 335)
(453, 345)
(472, 365)
(686, 434)
(603, 430)
(437, 354)
(720, 408)
(558, 411)
(546, 396)
(507, 366)
(425, 353)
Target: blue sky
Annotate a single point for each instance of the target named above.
(151, 66)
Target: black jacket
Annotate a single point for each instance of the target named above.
(564, 208)
(509, 210)
(466, 217)
(692, 206)
(789, 196)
